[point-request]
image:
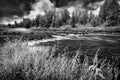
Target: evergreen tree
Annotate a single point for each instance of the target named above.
(110, 12)
(65, 16)
(40, 21)
(74, 19)
(84, 18)
(57, 22)
(27, 23)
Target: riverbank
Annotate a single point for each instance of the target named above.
(89, 41)
(19, 60)
(65, 30)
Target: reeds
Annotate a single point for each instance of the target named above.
(19, 61)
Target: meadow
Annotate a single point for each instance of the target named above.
(60, 59)
(19, 61)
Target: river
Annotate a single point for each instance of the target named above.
(108, 44)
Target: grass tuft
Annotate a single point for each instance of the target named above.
(19, 61)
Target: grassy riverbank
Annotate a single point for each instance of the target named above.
(20, 61)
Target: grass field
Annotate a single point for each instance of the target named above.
(19, 61)
(66, 29)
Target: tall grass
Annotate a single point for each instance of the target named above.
(19, 61)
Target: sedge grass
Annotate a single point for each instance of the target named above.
(19, 61)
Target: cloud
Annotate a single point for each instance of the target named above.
(62, 3)
(8, 8)
(40, 7)
(30, 8)
(11, 20)
(16, 10)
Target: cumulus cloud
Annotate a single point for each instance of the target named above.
(12, 10)
(8, 8)
(40, 7)
(16, 10)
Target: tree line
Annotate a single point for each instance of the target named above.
(109, 14)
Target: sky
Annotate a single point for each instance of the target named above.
(16, 9)
(85, 3)
(9, 8)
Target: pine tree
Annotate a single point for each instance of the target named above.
(110, 12)
(84, 19)
(74, 19)
(40, 21)
(65, 16)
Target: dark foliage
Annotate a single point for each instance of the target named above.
(110, 12)
(65, 16)
(74, 19)
(40, 21)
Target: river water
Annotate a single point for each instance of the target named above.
(109, 45)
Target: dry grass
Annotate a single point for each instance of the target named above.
(19, 61)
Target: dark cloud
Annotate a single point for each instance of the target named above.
(87, 2)
(8, 8)
(61, 3)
